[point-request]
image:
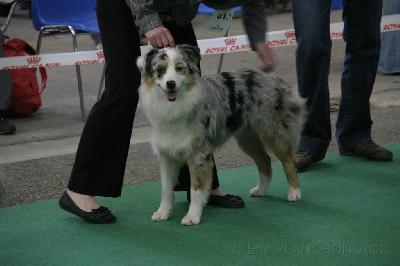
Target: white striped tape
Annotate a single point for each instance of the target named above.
(207, 47)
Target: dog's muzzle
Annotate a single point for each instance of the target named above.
(171, 92)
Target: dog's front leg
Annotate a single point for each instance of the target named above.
(169, 169)
(201, 173)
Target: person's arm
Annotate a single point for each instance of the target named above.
(255, 23)
(146, 18)
(150, 24)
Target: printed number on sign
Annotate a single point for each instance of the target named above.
(224, 16)
(221, 20)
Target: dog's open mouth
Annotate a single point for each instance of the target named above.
(171, 95)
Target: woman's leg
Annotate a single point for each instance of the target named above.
(101, 157)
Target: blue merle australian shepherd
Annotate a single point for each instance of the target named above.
(191, 116)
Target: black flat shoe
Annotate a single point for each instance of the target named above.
(226, 201)
(100, 215)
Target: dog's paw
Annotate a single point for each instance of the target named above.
(191, 219)
(161, 215)
(257, 192)
(294, 194)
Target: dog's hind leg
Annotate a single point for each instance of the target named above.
(285, 155)
(169, 169)
(250, 143)
(201, 173)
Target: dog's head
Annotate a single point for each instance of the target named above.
(172, 70)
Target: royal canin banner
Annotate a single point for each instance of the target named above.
(280, 38)
(214, 46)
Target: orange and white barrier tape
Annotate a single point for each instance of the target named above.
(222, 45)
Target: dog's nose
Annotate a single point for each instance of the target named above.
(171, 84)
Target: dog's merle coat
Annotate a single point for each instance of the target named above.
(194, 116)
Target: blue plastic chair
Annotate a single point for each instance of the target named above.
(53, 17)
(337, 4)
(203, 9)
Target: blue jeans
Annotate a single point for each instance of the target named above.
(362, 36)
(389, 61)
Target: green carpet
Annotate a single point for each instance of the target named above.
(349, 215)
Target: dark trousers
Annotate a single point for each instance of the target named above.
(5, 83)
(362, 36)
(103, 148)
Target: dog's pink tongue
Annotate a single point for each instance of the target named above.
(171, 95)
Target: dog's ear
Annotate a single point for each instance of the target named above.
(140, 62)
(192, 52)
(192, 57)
(144, 62)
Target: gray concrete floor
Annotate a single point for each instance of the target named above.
(36, 162)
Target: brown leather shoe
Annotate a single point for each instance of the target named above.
(368, 150)
(303, 159)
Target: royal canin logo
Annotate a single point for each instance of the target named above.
(290, 34)
(33, 60)
(230, 41)
(100, 55)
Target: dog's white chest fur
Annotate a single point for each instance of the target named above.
(174, 139)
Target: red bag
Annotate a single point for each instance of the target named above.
(26, 92)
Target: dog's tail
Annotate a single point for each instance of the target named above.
(294, 111)
(298, 110)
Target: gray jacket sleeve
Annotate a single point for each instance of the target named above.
(254, 20)
(146, 18)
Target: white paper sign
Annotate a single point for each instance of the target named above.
(221, 19)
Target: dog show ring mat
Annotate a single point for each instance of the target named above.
(349, 215)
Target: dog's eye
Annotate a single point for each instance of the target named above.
(160, 71)
(178, 68)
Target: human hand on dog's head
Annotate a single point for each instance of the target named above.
(160, 37)
(267, 56)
